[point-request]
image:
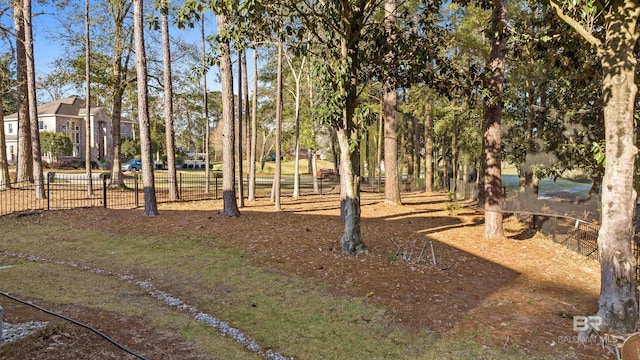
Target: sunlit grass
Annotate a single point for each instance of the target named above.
(294, 317)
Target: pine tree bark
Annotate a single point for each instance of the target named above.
(416, 150)
(410, 135)
(390, 98)
(24, 166)
(230, 207)
(168, 107)
(239, 133)
(492, 119)
(148, 181)
(254, 129)
(313, 159)
(38, 176)
(87, 128)
(278, 171)
(428, 148)
(245, 92)
(454, 156)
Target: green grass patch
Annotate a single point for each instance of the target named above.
(297, 318)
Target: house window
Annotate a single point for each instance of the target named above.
(10, 149)
(10, 128)
(77, 138)
(41, 125)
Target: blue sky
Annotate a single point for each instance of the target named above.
(48, 49)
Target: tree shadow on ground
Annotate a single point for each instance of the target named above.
(476, 283)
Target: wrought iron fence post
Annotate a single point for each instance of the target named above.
(104, 190)
(180, 185)
(579, 238)
(215, 175)
(320, 185)
(50, 177)
(135, 180)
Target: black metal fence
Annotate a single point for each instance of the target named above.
(66, 190)
(574, 234)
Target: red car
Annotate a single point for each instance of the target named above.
(325, 173)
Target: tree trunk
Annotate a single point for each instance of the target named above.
(618, 303)
(239, 133)
(230, 207)
(24, 166)
(314, 162)
(480, 182)
(334, 152)
(278, 172)
(296, 167)
(445, 171)
(245, 91)
(38, 176)
(454, 156)
(380, 143)
(205, 103)
(168, 107)
(364, 152)
(87, 129)
(352, 239)
(150, 205)
(492, 119)
(5, 181)
(416, 150)
(596, 185)
(390, 97)
(428, 149)
(372, 139)
(409, 148)
(401, 161)
(119, 10)
(525, 172)
(348, 134)
(254, 128)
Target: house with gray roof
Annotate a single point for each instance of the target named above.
(68, 116)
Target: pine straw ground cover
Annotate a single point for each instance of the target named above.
(280, 278)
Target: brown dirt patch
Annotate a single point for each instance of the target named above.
(520, 289)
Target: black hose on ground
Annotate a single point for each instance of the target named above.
(74, 322)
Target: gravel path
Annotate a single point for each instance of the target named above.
(223, 327)
(13, 332)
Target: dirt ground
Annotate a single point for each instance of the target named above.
(522, 290)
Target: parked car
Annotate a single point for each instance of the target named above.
(325, 173)
(132, 165)
(272, 157)
(136, 165)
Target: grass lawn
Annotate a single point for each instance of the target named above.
(199, 259)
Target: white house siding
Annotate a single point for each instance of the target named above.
(11, 140)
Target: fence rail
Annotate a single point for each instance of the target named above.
(67, 191)
(577, 235)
